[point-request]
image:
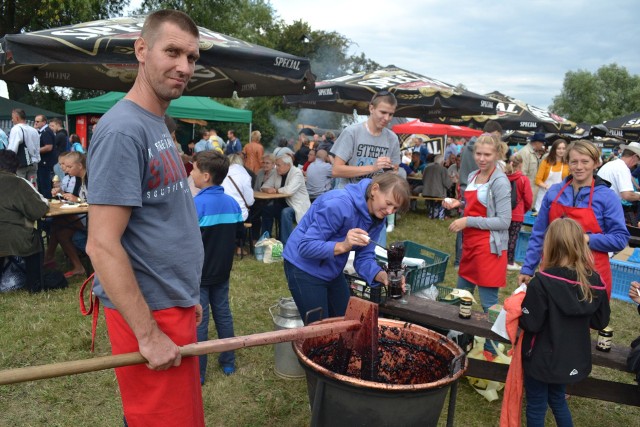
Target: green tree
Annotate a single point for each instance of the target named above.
(595, 97)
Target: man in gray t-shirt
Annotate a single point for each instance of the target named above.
(144, 239)
(364, 149)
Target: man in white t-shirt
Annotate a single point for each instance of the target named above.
(618, 173)
(25, 142)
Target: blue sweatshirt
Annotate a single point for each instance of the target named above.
(606, 207)
(310, 246)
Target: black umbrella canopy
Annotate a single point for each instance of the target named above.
(100, 55)
(418, 96)
(513, 114)
(626, 127)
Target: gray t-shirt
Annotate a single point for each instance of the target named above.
(357, 147)
(133, 162)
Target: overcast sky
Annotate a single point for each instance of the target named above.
(520, 48)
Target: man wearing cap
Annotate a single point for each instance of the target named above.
(618, 173)
(531, 159)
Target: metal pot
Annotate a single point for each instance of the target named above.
(286, 316)
(343, 401)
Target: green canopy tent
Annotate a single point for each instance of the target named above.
(7, 105)
(185, 107)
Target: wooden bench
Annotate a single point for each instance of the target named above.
(438, 315)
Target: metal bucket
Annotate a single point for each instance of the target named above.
(286, 316)
(339, 400)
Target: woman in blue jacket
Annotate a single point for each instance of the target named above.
(588, 200)
(338, 222)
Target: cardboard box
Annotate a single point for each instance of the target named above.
(624, 254)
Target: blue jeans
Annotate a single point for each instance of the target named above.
(286, 216)
(539, 395)
(216, 296)
(309, 292)
(488, 297)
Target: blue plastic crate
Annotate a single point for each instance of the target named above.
(529, 219)
(623, 273)
(521, 246)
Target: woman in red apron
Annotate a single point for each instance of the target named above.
(485, 226)
(588, 200)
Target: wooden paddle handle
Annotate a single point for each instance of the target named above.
(12, 376)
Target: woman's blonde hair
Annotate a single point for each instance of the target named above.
(584, 147)
(564, 246)
(256, 136)
(495, 142)
(514, 162)
(77, 157)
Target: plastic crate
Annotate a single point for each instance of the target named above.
(623, 273)
(529, 218)
(434, 270)
(521, 246)
(360, 288)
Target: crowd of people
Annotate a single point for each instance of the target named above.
(340, 196)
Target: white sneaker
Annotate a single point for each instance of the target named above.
(390, 228)
(514, 267)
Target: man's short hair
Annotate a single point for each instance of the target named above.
(384, 96)
(44, 118)
(155, 20)
(232, 132)
(56, 120)
(492, 126)
(329, 135)
(20, 113)
(214, 163)
(202, 133)
(9, 161)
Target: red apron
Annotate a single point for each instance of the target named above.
(478, 265)
(587, 219)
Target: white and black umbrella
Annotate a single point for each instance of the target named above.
(513, 114)
(100, 55)
(625, 127)
(418, 96)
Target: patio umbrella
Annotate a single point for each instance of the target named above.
(625, 127)
(418, 96)
(100, 55)
(513, 114)
(416, 126)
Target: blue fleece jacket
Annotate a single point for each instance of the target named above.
(606, 207)
(310, 246)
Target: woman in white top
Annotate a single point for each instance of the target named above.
(237, 184)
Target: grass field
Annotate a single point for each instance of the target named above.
(48, 327)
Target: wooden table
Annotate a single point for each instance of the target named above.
(56, 209)
(261, 195)
(439, 315)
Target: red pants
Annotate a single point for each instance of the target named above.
(159, 398)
